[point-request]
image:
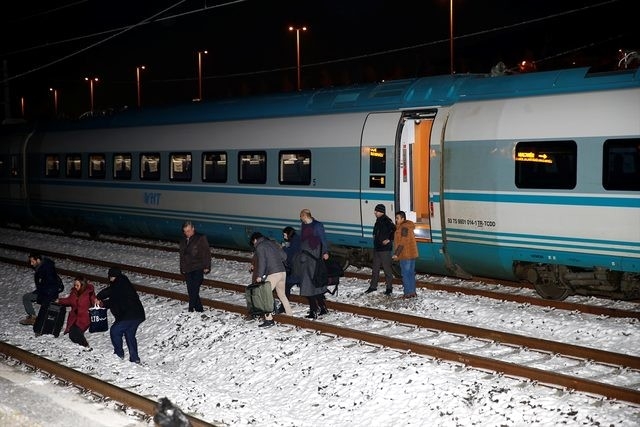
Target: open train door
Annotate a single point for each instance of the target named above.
(413, 172)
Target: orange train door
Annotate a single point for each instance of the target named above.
(413, 179)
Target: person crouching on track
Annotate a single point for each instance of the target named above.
(80, 299)
(270, 259)
(195, 262)
(123, 301)
(48, 286)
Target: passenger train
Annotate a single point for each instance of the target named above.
(530, 177)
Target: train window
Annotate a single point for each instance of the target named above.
(546, 165)
(377, 167)
(621, 164)
(180, 167)
(150, 166)
(252, 167)
(74, 166)
(97, 168)
(295, 167)
(52, 166)
(122, 166)
(214, 167)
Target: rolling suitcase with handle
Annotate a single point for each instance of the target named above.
(50, 319)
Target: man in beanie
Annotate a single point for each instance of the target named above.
(382, 247)
(123, 301)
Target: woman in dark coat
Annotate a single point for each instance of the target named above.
(291, 248)
(80, 299)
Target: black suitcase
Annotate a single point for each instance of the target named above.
(50, 319)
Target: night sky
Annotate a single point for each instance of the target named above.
(57, 43)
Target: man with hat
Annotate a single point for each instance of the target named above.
(382, 249)
(123, 301)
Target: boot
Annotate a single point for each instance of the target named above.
(29, 320)
(312, 315)
(322, 305)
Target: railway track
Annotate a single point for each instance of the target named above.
(510, 292)
(557, 364)
(88, 384)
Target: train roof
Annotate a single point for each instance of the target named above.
(384, 96)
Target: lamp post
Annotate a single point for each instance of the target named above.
(91, 80)
(200, 53)
(297, 30)
(451, 35)
(138, 68)
(55, 100)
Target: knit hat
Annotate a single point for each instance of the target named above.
(380, 208)
(114, 272)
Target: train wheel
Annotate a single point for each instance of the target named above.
(554, 291)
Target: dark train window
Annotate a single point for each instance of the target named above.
(546, 165)
(97, 169)
(122, 166)
(377, 167)
(294, 167)
(180, 167)
(3, 166)
(621, 164)
(214, 167)
(52, 166)
(74, 166)
(252, 167)
(150, 166)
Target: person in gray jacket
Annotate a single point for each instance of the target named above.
(270, 266)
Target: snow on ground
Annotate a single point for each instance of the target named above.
(222, 368)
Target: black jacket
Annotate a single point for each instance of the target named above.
(47, 281)
(122, 299)
(383, 229)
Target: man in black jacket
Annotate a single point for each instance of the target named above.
(123, 301)
(48, 286)
(383, 231)
(195, 262)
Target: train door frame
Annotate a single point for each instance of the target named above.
(413, 170)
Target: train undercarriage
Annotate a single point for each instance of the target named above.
(557, 282)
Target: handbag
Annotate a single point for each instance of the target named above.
(99, 320)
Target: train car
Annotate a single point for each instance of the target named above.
(532, 177)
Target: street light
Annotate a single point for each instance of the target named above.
(138, 68)
(55, 100)
(91, 80)
(297, 30)
(200, 53)
(451, 34)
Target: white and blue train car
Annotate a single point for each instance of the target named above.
(532, 177)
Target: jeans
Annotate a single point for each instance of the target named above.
(27, 300)
(128, 328)
(408, 269)
(194, 281)
(381, 258)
